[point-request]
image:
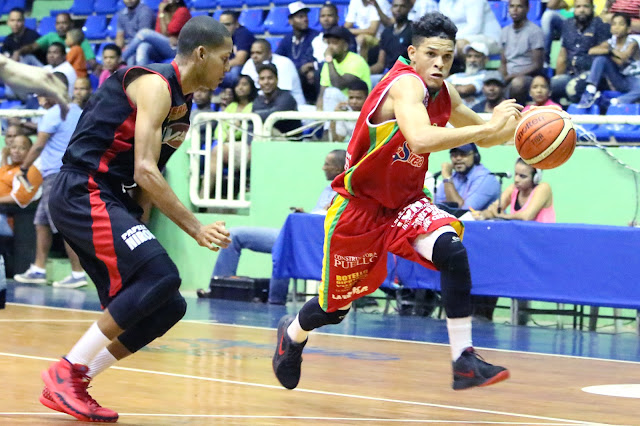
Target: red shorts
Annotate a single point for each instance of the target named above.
(358, 236)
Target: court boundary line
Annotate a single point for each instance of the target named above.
(321, 392)
(384, 339)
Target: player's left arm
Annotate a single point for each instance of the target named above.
(463, 116)
(541, 196)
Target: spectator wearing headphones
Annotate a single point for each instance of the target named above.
(466, 183)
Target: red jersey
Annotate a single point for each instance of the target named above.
(380, 165)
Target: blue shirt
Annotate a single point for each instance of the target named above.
(242, 40)
(300, 51)
(324, 201)
(478, 188)
(132, 21)
(61, 132)
(577, 43)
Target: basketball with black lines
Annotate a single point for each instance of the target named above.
(545, 138)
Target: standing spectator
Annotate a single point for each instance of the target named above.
(156, 46)
(579, 36)
(475, 21)
(522, 51)
(297, 47)
(340, 69)
(288, 77)
(394, 40)
(111, 62)
(63, 25)
(493, 91)
(469, 83)
(75, 55)
(54, 134)
(540, 92)
(134, 17)
(328, 18)
(363, 20)
(20, 36)
(341, 131)
(273, 99)
(56, 61)
(242, 41)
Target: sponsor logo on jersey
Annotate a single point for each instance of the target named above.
(353, 261)
(174, 134)
(405, 155)
(177, 112)
(136, 236)
(353, 292)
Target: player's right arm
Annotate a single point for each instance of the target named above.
(151, 96)
(404, 102)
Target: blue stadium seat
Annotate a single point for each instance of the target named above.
(277, 21)
(205, 4)
(99, 48)
(341, 2)
(281, 2)
(47, 25)
(153, 4)
(314, 18)
(252, 19)
(93, 80)
(10, 4)
(274, 42)
(258, 3)
(10, 104)
(535, 10)
(106, 7)
(342, 14)
(499, 9)
(199, 13)
(95, 27)
(82, 7)
(625, 132)
(31, 23)
(112, 28)
(594, 110)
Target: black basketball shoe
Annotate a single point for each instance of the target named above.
(288, 356)
(471, 370)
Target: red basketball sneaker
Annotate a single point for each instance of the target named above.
(67, 385)
(47, 400)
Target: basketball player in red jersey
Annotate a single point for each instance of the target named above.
(381, 206)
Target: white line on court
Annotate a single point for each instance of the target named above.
(202, 322)
(319, 392)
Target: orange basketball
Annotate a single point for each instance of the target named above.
(545, 138)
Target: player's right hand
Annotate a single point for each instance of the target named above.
(504, 111)
(213, 236)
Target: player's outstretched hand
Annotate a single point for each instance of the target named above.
(213, 236)
(504, 111)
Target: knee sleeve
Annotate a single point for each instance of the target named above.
(450, 257)
(157, 324)
(150, 288)
(312, 316)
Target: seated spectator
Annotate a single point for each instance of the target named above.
(75, 55)
(469, 83)
(274, 99)
(63, 25)
(618, 62)
(540, 92)
(363, 20)
(242, 40)
(394, 40)
(156, 46)
(111, 62)
(262, 240)
(522, 51)
(328, 18)
(340, 69)
(21, 36)
(466, 183)
(288, 77)
(12, 189)
(54, 134)
(493, 92)
(134, 17)
(10, 134)
(475, 21)
(629, 8)
(56, 62)
(297, 47)
(341, 131)
(82, 91)
(581, 37)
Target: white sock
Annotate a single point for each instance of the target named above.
(35, 268)
(101, 362)
(88, 346)
(77, 275)
(591, 88)
(296, 333)
(459, 335)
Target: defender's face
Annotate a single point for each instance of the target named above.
(432, 60)
(216, 64)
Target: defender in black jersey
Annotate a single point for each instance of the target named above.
(127, 132)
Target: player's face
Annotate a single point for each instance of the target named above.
(19, 149)
(619, 27)
(81, 90)
(462, 161)
(330, 168)
(216, 64)
(110, 60)
(432, 60)
(539, 90)
(268, 82)
(16, 22)
(356, 99)
(518, 10)
(523, 176)
(328, 18)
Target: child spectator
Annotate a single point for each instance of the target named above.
(540, 91)
(75, 55)
(111, 62)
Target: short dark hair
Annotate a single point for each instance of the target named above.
(525, 2)
(59, 45)
(67, 14)
(624, 16)
(253, 93)
(231, 13)
(114, 47)
(265, 43)
(433, 24)
(201, 30)
(22, 135)
(76, 34)
(545, 76)
(269, 67)
(359, 85)
(19, 10)
(330, 6)
(63, 78)
(339, 157)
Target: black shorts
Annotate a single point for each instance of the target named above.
(101, 224)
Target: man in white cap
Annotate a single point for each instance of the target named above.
(469, 83)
